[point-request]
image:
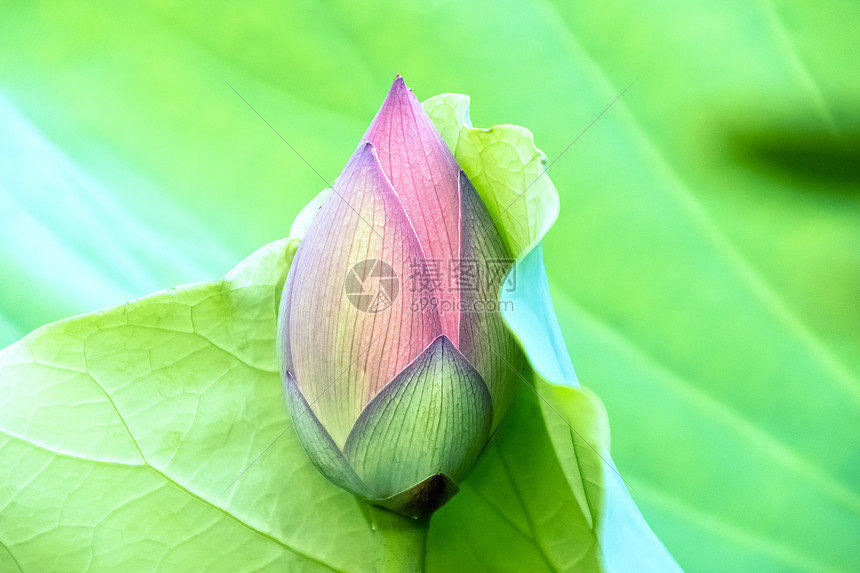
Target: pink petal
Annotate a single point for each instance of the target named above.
(424, 175)
(340, 355)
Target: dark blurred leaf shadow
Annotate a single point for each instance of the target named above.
(801, 150)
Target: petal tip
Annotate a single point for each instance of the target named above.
(364, 158)
(366, 149)
(442, 343)
(400, 92)
(399, 86)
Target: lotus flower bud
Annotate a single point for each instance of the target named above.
(396, 364)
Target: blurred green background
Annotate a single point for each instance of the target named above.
(705, 266)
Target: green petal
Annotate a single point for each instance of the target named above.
(433, 418)
(484, 339)
(319, 446)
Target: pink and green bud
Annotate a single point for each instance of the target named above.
(397, 366)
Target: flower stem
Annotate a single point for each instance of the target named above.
(401, 542)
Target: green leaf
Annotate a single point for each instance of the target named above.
(176, 388)
(163, 401)
(122, 431)
(501, 159)
(704, 265)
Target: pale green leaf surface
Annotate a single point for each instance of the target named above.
(68, 220)
(122, 430)
(7, 561)
(705, 262)
(579, 430)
